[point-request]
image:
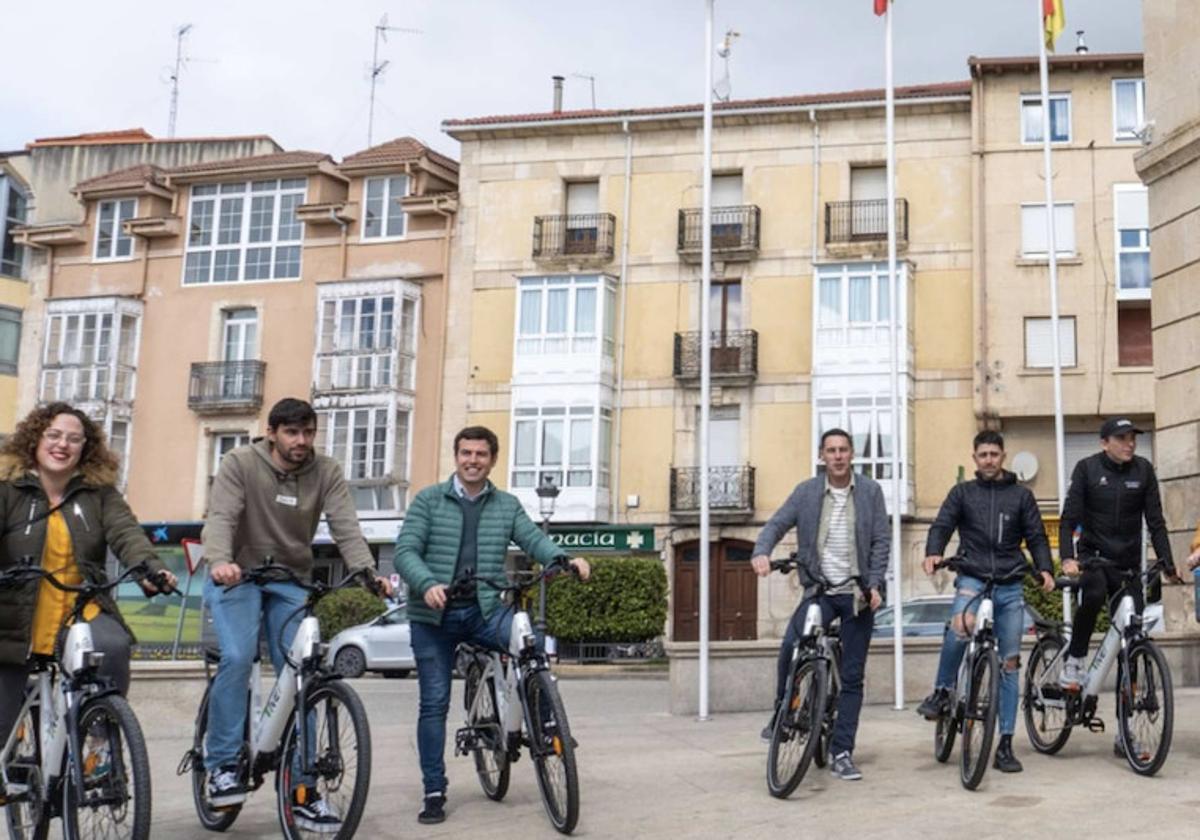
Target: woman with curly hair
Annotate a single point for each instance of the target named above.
(59, 506)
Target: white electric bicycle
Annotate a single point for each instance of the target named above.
(1145, 705)
(76, 749)
(330, 757)
(512, 700)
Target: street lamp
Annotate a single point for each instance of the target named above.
(547, 493)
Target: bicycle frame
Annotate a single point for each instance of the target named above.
(1116, 638)
(985, 620)
(268, 719)
(509, 673)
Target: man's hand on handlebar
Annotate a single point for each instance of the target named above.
(435, 596)
(581, 567)
(226, 574)
(929, 564)
(382, 587)
(876, 599)
(761, 565)
(1071, 567)
(1047, 582)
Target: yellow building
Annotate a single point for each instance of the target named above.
(188, 299)
(14, 286)
(575, 310)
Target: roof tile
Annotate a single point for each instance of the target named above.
(399, 151)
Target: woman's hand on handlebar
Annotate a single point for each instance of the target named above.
(161, 582)
(226, 574)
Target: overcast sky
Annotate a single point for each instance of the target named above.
(299, 70)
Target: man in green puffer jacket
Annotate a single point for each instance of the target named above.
(450, 530)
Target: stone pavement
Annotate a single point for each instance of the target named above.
(645, 773)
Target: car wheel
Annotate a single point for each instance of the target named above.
(350, 662)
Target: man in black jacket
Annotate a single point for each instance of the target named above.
(993, 514)
(1110, 494)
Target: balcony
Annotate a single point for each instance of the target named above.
(849, 225)
(733, 356)
(582, 238)
(734, 233)
(226, 387)
(730, 493)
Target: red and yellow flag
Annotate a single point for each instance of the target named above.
(881, 7)
(1054, 20)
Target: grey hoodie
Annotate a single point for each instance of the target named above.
(257, 510)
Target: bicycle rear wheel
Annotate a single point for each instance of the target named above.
(340, 741)
(115, 800)
(27, 814)
(212, 818)
(797, 730)
(553, 751)
(1145, 708)
(979, 717)
(1045, 703)
(491, 751)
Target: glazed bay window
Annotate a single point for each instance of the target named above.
(565, 314)
(1131, 220)
(383, 215)
(244, 231)
(371, 443)
(868, 419)
(367, 337)
(853, 304)
(90, 351)
(112, 243)
(1060, 118)
(1129, 108)
(560, 445)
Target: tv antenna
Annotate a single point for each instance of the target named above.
(377, 67)
(180, 60)
(723, 89)
(592, 81)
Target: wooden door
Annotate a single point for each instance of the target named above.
(733, 592)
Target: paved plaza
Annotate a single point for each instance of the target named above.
(645, 773)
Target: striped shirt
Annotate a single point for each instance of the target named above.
(836, 562)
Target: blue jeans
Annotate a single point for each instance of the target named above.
(856, 639)
(1009, 602)
(433, 648)
(237, 614)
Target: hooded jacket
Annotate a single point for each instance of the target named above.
(98, 519)
(258, 510)
(992, 519)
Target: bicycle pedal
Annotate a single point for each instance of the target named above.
(465, 741)
(187, 763)
(1095, 725)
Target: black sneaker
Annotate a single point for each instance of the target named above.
(934, 706)
(434, 811)
(225, 787)
(316, 815)
(1005, 761)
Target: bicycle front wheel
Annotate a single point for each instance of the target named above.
(324, 794)
(797, 729)
(979, 717)
(27, 814)
(944, 731)
(491, 751)
(1145, 708)
(115, 799)
(1045, 703)
(553, 751)
(211, 817)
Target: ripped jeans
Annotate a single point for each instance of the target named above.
(1009, 602)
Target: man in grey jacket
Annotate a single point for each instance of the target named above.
(842, 534)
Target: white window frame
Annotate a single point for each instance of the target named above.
(117, 232)
(388, 198)
(1119, 249)
(1068, 340)
(530, 474)
(568, 341)
(396, 357)
(63, 363)
(389, 475)
(1058, 230)
(247, 191)
(878, 406)
(10, 315)
(1120, 134)
(238, 437)
(1036, 100)
(9, 219)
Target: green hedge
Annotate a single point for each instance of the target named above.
(346, 608)
(1049, 604)
(624, 601)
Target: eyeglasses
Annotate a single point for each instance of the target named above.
(56, 436)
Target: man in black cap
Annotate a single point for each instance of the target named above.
(1110, 493)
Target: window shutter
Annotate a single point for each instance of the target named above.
(1133, 208)
(1039, 346)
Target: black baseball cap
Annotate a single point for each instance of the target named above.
(1118, 426)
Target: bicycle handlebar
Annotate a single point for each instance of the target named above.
(272, 573)
(461, 587)
(792, 563)
(25, 573)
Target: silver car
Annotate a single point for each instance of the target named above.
(382, 644)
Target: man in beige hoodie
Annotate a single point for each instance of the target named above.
(267, 500)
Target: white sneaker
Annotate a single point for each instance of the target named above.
(1072, 674)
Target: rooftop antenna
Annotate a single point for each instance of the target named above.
(592, 80)
(180, 60)
(723, 89)
(377, 67)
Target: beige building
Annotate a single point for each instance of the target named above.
(189, 298)
(573, 330)
(14, 287)
(1170, 166)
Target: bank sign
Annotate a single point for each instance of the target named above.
(611, 538)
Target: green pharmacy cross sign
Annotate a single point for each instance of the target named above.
(603, 538)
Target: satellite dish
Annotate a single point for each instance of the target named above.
(1025, 465)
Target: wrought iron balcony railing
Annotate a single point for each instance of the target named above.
(734, 231)
(217, 387)
(863, 221)
(730, 490)
(581, 236)
(733, 354)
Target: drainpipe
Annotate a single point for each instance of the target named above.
(440, 379)
(618, 402)
(979, 255)
(816, 187)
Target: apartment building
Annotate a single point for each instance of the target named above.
(14, 288)
(190, 298)
(574, 323)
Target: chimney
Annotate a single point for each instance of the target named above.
(558, 88)
(1080, 47)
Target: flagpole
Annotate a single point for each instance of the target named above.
(1052, 250)
(705, 361)
(894, 334)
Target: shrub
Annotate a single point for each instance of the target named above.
(1049, 604)
(625, 600)
(346, 608)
